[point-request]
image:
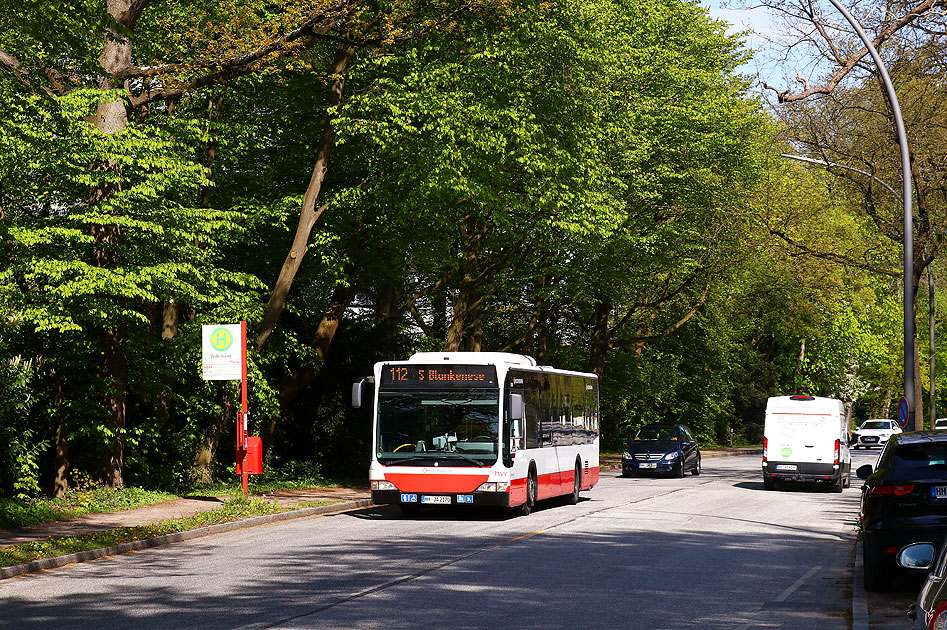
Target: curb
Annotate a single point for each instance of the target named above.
(44, 564)
(715, 454)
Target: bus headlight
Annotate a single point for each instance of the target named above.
(493, 486)
(383, 485)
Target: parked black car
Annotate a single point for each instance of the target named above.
(904, 501)
(932, 599)
(661, 448)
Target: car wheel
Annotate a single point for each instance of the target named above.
(877, 575)
(769, 483)
(839, 485)
(679, 471)
(696, 470)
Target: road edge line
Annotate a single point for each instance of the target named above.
(44, 564)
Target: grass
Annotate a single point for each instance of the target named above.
(235, 509)
(16, 513)
(19, 513)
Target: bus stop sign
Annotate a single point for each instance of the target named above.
(903, 412)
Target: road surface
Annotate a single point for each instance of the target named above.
(713, 551)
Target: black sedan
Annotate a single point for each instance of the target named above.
(661, 448)
(904, 501)
(932, 600)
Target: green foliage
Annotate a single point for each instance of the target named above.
(511, 171)
(21, 441)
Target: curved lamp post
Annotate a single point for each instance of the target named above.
(908, 217)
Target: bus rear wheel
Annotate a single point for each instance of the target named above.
(577, 483)
(531, 492)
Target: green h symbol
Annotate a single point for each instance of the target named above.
(221, 339)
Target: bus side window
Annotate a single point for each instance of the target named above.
(533, 413)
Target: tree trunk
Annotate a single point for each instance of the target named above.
(61, 454)
(798, 370)
(111, 117)
(204, 460)
(598, 344)
(462, 308)
(303, 377)
(439, 319)
(116, 385)
(308, 215)
(475, 329)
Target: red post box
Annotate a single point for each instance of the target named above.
(252, 461)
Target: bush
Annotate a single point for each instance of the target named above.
(21, 446)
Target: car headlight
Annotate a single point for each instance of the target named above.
(671, 456)
(383, 485)
(493, 486)
(627, 455)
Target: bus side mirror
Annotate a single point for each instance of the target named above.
(358, 390)
(516, 406)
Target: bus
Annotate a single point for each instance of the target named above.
(486, 429)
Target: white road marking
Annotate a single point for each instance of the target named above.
(792, 589)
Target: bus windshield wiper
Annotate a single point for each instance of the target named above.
(436, 456)
(469, 459)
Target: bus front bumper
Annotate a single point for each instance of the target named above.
(475, 499)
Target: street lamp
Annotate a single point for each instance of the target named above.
(908, 218)
(930, 275)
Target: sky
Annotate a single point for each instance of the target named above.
(763, 29)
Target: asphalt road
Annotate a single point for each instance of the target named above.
(714, 551)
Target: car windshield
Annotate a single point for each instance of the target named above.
(416, 425)
(876, 424)
(919, 460)
(659, 434)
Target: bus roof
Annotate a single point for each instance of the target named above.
(476, 358)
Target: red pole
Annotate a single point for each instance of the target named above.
(242, 421)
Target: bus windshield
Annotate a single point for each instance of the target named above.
(421, 425)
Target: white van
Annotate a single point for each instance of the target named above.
(805, 438)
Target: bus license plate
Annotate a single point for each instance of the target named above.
(939, 492)
(786, 467)
(647, 465)
(436, 500)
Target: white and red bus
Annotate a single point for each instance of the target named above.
(481, 429)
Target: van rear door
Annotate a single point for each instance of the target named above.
(803, 437)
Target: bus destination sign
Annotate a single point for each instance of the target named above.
(438, 376)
